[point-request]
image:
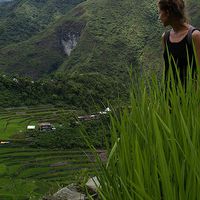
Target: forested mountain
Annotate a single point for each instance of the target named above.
(114, 34)
(21, 19)
(91, 38)
(37, 36)
(112, 37)
(194, 16)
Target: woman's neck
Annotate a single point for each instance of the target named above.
(178, 26)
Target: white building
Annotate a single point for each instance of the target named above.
(31, 127)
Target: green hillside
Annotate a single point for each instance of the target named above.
(108, 37)
(194, 16)
(21, 19)
(111, 39)
(72, 91)
(111, 35)
(120, 33)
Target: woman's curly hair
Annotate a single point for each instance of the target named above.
(176, 8)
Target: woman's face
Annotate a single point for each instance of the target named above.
(164, 17)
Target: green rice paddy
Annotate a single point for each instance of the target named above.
(30, 173)
(15, 120)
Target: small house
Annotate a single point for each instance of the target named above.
(46, 126)
(30, 127)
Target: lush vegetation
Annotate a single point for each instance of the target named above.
(71, 137)
(38, 163)
(20, 20)
(154, 144)
(154, 151)
(84, 92)
(112, 39)
(31, 173)
(14, 121)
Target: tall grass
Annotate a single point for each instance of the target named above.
(154, 149)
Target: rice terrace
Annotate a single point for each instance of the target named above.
(15, 120)
(28, 172)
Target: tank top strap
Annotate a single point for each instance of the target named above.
(189, 36)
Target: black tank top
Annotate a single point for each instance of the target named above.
(183, 55)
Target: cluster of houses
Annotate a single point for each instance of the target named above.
(47, 126)
(94, 116)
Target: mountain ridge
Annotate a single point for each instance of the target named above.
(112, 36)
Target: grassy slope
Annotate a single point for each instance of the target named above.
(114, 37)
(31, 57)
(33, 52)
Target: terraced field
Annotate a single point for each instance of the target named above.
(28, 173)
(15, 120)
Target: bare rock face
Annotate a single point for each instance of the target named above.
(67, 193)
(70, 44)
(70, 33)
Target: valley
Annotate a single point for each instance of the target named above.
(62, 60)
(39, 162)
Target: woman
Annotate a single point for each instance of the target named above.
(177, 43)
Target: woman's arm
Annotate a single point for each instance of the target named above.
(196, 40)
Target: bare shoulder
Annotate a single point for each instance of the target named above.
(196, 35)
(196, 40)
